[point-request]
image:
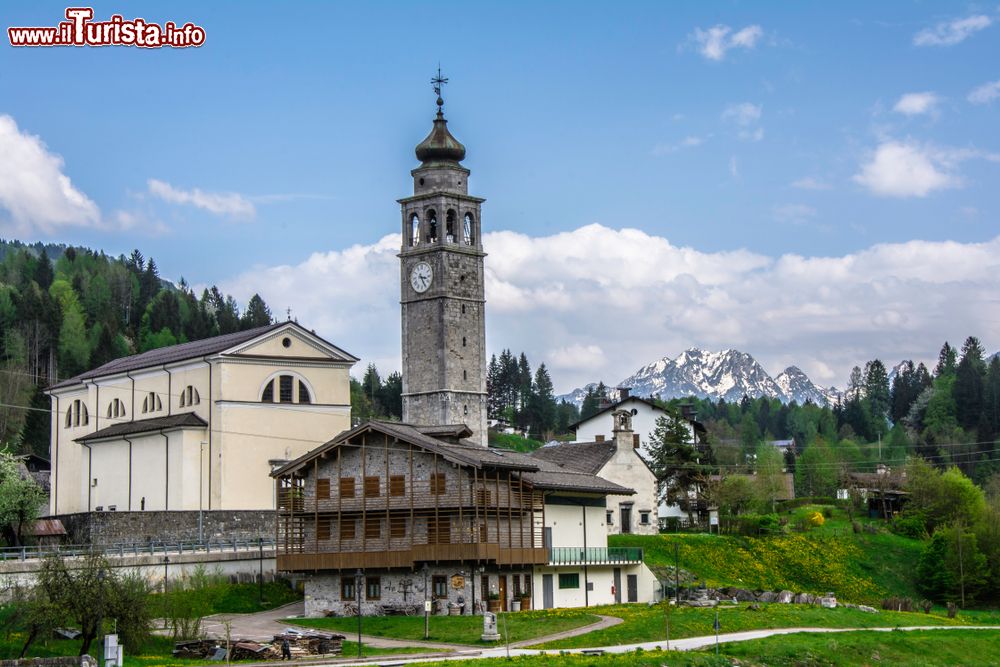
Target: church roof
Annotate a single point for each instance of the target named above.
(587, 457)
(185, 351)
(183, 420)
(540, 473)
(440, 146)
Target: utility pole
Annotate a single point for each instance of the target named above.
(961, 564)
(677, 573)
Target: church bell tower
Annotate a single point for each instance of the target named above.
(441, 289)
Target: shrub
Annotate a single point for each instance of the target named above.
(897, 604)
(816, 519)
(910, 526)
(758, 524)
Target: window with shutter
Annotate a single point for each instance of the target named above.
(323, 529)
(438, 484)
(397, 526)
(346, 487)
(373, 529)
(372, 487)
(323, 488)
(397, 485)
(347, 531)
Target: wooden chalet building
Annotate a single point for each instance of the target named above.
(423, 512)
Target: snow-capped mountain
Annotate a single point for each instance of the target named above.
(796, 386)
(729, 374)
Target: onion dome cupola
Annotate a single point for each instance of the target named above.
(440, 146)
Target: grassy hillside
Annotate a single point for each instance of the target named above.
(514, 442)
(860, 568)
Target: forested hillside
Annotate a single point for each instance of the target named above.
(65, 310)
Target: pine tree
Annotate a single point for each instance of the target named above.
(43, 271)
(257, 314)
(675, 461)
(877, 396)
(989, 421)
(946, 361)
(968, 388)
(542, 403)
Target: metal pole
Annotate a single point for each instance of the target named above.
(677, 573)
(427, 611)
(201, 485)
(358, 581)
(166, 563)
(716, 633)
(260, 579)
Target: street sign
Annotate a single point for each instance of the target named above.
(427, 605)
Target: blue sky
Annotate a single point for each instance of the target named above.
(842, 134)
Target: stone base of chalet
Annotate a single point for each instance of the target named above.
(402, 592)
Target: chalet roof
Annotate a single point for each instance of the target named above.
(185, 351)
(183, 420)
(542, 474)
(587, 457)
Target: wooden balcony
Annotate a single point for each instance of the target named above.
(410, 558)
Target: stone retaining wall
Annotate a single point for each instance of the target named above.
(166, 526)
(66, 661)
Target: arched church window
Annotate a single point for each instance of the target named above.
(152, 403)
(449, 223)
(190, 397)
(432, 226)
(84, 415)
(116, 409)
(282, 389)
(414, 230)
(467, 229)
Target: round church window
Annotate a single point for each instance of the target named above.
(287, 342)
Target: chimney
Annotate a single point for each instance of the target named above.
(624, 393)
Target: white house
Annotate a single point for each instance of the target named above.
(195, 426)
(616, 460)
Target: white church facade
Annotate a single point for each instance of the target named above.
(195, 426)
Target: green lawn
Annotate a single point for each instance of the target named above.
(927, 648)
(226, 598)
(861, 568)
(930, 648)
(457, 629)
(648, 623)
(514, 442)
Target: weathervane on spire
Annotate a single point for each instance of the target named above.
(437, 82)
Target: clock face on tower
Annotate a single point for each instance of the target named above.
(420, 277)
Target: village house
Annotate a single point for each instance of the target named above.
(195, 426)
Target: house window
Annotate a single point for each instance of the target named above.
(598, 438)
(439, 587)
(644, 518)
(323, 488)
(527, 585)
(323, 528)
(347, 531)
(267, 396)
(190, 397)
(610, 518)
(347, 591)
(517, 585)
(438, 484)
(397, 485)
(373, 529)
(397, 526)
(439, 530)
(373, 588)
(569, 580)
(304, 396)
(346, 487)
(372, 487)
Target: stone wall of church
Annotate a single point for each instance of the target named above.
(403, 590)
(155, 527)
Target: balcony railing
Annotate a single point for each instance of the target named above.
(594, 555)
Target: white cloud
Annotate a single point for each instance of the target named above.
(985, 93)
(734, 167)
(905, 169)
(686, 142)
(746, 117)
(914, 104)
(37, 196)
(811, 183)
(716, 41)
(597, 302)
(949, 33)
(220, 203)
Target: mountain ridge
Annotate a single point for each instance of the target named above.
(726, 374)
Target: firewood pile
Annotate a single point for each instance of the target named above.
(301, 645)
